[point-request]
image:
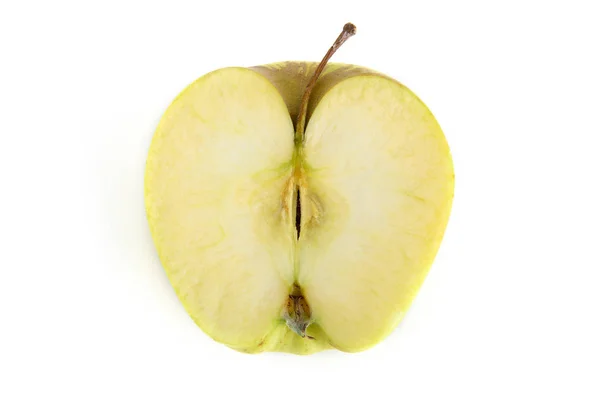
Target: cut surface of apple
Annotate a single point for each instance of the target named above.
(277, 245)
(377, 167)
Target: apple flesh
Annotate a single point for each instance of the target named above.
(277, 245)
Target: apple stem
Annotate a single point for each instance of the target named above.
(348, 31)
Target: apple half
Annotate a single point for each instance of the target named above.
(298, 206)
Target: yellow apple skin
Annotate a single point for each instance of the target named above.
(290, 80)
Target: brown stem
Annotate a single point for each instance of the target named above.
(348, 31)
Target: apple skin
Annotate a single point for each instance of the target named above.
(283, 339)
(291, 77)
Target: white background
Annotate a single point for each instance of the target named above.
(511, 308)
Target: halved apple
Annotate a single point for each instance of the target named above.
(280, 238)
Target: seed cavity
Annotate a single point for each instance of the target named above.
(298, 212)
